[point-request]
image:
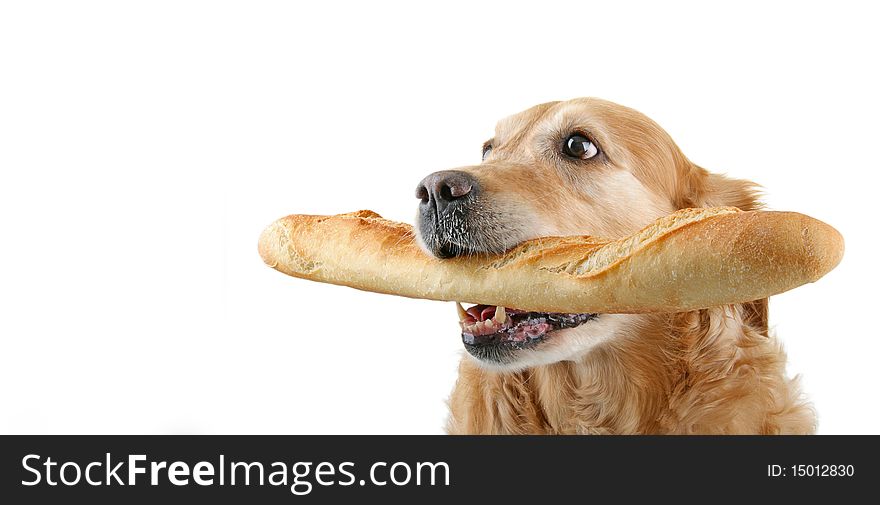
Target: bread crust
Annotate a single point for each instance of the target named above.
(691, 259)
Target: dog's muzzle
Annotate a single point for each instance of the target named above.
(447, 199)
(455, 219)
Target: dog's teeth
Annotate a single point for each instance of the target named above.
(478, 325)
(462, 314)
(489, 325)
(500, 314)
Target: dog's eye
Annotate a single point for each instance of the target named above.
(580, 147)
(487, 148)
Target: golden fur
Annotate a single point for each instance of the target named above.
(709, 371)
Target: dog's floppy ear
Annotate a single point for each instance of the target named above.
(702, 188)
(757, 314)
(705, 189)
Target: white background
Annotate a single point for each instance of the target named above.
(143, 147)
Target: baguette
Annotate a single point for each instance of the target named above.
(691, 259)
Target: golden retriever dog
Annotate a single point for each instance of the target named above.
(592, 167)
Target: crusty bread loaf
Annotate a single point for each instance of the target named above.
(691, 259)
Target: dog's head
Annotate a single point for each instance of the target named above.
(581, 167)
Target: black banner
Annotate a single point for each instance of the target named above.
(336, 469)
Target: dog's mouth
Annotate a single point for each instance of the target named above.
(495, 327)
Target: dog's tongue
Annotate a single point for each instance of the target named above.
(481, 312)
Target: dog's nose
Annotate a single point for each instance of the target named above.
(448, 187)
